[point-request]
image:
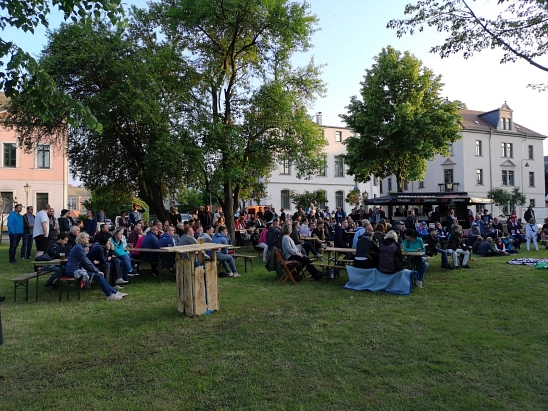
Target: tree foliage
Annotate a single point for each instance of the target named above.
(304, 200)
(354, 197)
(137, 91)
(22, 74)
(250, 105)
(402, 121)
(520, 28)
(502, 197)
(111, 201)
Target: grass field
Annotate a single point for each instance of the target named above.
(469, 340)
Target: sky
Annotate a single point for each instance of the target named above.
(352, 32)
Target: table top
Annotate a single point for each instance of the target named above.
(51, 262)
(414, 253)
(340, 250)
(151, 250)
(195, 248)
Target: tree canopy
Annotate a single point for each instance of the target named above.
(520, 28)
(402, 120)
(249, 104)
(22, 74)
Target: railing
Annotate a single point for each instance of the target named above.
(448, 187)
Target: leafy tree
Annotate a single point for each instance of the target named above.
(500, 197)
(402, 121)
(22, 74)
(250, 107)
(520, 28)
(354, 197)
(305, 199)
(190, 199)
(138, 92)
(112, 201)
(517, 198)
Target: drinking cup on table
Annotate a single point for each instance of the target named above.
(200, 240)
(130, 246)
(62, 256)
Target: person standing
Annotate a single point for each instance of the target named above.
(40, 230)
(90, 225)
(15, 231)
(64, 222)
(28, 225)
(101, 216)
(136, 214)
(529, 213)
(53, 225)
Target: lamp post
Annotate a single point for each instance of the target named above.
(522, 180)
(27, 189)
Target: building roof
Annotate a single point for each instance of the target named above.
(475, 120)
(73, 191)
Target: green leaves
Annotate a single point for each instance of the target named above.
(402, 121)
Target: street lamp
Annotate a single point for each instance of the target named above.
(522, 180)
(27, 189)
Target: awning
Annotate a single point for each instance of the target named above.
(427, 198)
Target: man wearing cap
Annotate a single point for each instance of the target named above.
(422, 229)
(529, 213)
(15, 230)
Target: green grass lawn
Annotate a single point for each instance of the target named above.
(470, 339)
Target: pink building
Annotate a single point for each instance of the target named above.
(35, 178)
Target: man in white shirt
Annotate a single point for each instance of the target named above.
(40, 230)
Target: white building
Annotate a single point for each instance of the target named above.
(494, 152)
(333, 179)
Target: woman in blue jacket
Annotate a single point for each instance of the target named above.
(78, 260)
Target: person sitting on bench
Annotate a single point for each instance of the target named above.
(292, 253)
(367, 252)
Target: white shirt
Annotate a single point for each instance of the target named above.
(41, 216)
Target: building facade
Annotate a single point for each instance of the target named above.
(494, 151)
(333, 179)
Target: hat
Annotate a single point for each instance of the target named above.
(208, 227)
(64, 211)
(423, 223)
(474, 223)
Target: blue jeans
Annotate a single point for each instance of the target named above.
(26, 249)
(518, 239)
(226, 259)
(56, 273)
(422, 265)
(125, 262)
(14, 243)
(444, 260)
(105, 287)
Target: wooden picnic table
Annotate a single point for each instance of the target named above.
(338, 251)
(197, 283)
(55, 262)
(158, 251)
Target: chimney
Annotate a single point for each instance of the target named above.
(319, 118)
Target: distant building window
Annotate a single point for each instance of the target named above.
(375, 181)
(448, 176)
(531, 179)
(507, 178)
(323, 168)
(532, 202)
(421, 184)
(451, 149)
(506, 123)
(405, 186)
(338, 136)
(72, 203)
(478, 148)
(43, 156)
(284, 167)
(479, 176)
(380, 186)
(339, 199)
(10, 155)
(531, 153)
(339, 167)
(285, 204)
(41, 200)
(389, 184)
(6, 201)
(507, 150)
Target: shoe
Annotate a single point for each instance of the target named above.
(122, 294)
(119, 287)
(231, 274)
(297, 277)
(418, 283)
(114, 297)
(320, 256)
(132, 274)
(447, 267)
(121, 281)
(456, 267)
(22, 258)
(235, 275)
(466, 266)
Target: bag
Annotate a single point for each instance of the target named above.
(222, 274)
(43, 257)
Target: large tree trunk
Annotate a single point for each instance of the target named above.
(154, 196)
(228, 209)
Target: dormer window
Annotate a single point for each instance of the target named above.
(506, 123)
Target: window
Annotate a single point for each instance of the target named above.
(10, 155)
(479, 176)
(389, 184)
(405, 186)
(284, 167)
(322, 172)
(506, 123)
(339, 199)
(285, 200)
(41, 200)
(478, 148)
(507, 178)
(339, 167)
(380, 186)
(338, 136)
(6, 201)
(375, 181)
(531, 153)
(448, 176)
(531, 179)
(532, 202)
(322, 205)
(451, 149)
(507, 150)
(72, 203)
(42, 156)
(421, 184)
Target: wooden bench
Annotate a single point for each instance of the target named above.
(328, 266)
(23, 282)
(247, 259)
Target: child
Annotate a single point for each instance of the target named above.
(509, 244)
(499, 246)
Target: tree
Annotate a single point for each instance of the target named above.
(137, 90)
(22, 74)
(402, 121)
(517, 198)
(305, 199)
(112, 201)
(500, 197)
(520, 28)
(250, 107)
(354, 197)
